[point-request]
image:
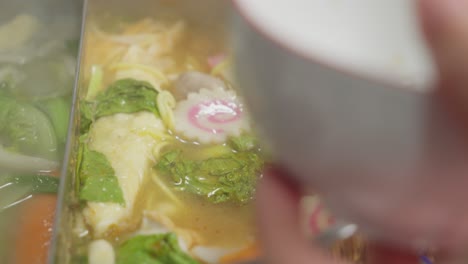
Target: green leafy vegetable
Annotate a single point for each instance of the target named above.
(79, 161)
(72, 46)
(58, 110)
(213, 151)
(102, 189)
(26, 129)
(38, 183)
(243, 143)
(153, 249)
(80, 259)
(228, 177)
(123, 96)
(15, 189)
(127, 96)
(86, 116)
(97, 179)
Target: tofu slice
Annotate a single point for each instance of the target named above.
(126, 141)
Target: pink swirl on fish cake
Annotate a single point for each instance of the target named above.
(216, 112)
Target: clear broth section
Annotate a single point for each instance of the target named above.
(38, 50)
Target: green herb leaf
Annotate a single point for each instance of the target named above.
(38, 183)
(17, 188)
(127, 96)
(153, 249)
(42, 184)
(79, 161)
(58, 110)
(123, 96)
(97, 178)
(72, 46)
(228, 177)
(86, 116)
(26, 129)
(243, 143)
(102, 189)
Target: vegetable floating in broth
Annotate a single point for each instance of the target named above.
(37, 69)
(167, 161)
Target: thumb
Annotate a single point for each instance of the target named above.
(281, 235)
(278, 224)
(445, 23)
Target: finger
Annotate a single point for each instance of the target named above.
(446, 27)
(279, 228)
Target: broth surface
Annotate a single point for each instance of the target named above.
(158, 53)
(37, 68)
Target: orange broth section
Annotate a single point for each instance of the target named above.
(34, 230)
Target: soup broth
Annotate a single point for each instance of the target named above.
(185, 167)
(38, 52)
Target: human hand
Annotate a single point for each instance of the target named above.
(281, 234)
(445, 23)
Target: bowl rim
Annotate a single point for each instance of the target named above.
(283, 45)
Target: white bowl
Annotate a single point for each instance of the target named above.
(343, 91)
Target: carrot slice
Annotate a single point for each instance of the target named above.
(34, 230)
(249, 253)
